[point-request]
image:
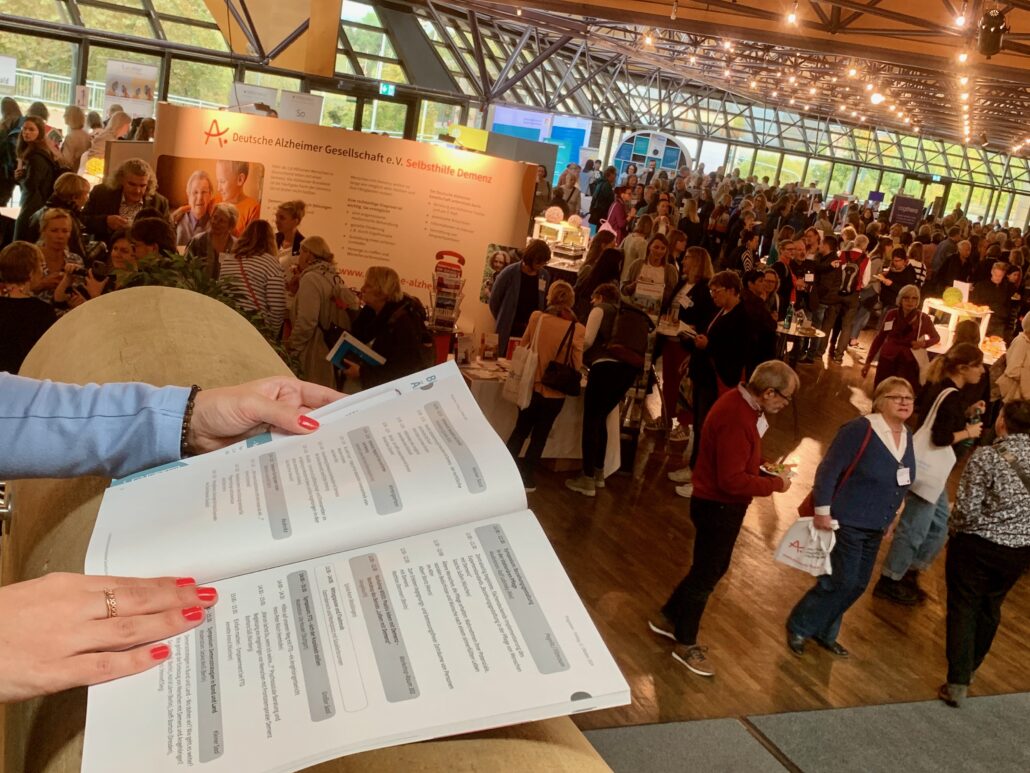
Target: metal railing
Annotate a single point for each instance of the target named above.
(58, 92)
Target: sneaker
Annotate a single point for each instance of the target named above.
(686, 490)
(695, 658)
(953, 694)
(598, 479)
(838, 359)
(582, 485)
(684, 475)
(662, 626)
(895, 591)
(679, 434)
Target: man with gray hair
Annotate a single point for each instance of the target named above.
(726, 478)
(113, 206)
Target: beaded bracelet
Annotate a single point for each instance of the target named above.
(184, 442)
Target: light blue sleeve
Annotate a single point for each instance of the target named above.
(52, 430)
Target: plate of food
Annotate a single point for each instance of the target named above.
(777, 469)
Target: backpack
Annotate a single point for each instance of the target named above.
(9, 151)
(630, 333)
(849, 271)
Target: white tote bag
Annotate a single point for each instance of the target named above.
(921, 356)
(807, 548)
(518, 386)
(933, 463)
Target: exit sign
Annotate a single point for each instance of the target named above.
(387, 89)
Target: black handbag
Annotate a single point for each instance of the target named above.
(562, 376)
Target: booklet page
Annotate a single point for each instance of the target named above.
(465, 628)
(395, 463)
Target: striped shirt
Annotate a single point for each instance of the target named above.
(259, 281)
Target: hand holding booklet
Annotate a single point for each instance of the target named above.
(380, 582)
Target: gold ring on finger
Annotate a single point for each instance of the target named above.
(112, 603)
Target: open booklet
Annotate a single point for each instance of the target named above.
(380, 581)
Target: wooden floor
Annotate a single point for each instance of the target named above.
(628, 547)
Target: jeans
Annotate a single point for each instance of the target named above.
(848, 309)
(535, 422)
(716, 527)
(819, 613)
(607, 384)
(979, 574)
(920, 536)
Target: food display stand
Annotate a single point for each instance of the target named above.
(947, 316)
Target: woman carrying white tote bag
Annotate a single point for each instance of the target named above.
(923, 527)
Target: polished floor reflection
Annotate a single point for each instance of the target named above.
(626, 548)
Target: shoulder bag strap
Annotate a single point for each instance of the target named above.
(854, 462)
(932, 415)
(566, 341)
(250, 290)
(1010, 457)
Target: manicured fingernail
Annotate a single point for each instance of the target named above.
(307, 422)
(184, 581)
(193, 614)
(160, 652)
(207, 594)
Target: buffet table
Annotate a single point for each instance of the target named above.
(486, 379)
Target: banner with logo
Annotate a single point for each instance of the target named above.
(376, 200)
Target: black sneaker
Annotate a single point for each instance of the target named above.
(895, 591)
(911, 581)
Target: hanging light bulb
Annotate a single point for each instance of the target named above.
(960, 20)
(726, 72)
(648, 39)
(792, 80)
(775, 94)
(675, 10)
(962, 57)
(852, 72)
(812, 91)
(754, 84)
(876, 98)
(792, 17)
(963, 80)
(964, 96)
(518, 11)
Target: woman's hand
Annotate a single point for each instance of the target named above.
(227, 415)
(95, 287)
(979, 407)
(823, 522)
(701, 341)
(48, 282)
(919, 343)
(973, 431)
(57, 632)
(351, 369)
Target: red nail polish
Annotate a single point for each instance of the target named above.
(207, 594)
(193, 614)
(160, 652)
(307, 422)
(182, 582)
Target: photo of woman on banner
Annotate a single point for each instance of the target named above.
(194, 186)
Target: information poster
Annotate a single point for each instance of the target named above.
(375, 199)
(8, 74)
(246, 96)
(131, 86)
(298, 106)
(906, 210)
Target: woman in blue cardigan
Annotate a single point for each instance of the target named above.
(879, 447)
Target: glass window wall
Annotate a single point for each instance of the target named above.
(197, 84)
(378, 115)
(338, 110)
(1020, 214)
(766, 164)
(435, 119)
(792, 170)
(958, 196)
(713, 154)
(866, 182)
(43, 73)
(740, 158)
(842, 179)
(819, 172)
(891, 184)
(978, 204)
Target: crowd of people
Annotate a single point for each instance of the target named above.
(78, 243)
(735, 259)
(731, 258)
